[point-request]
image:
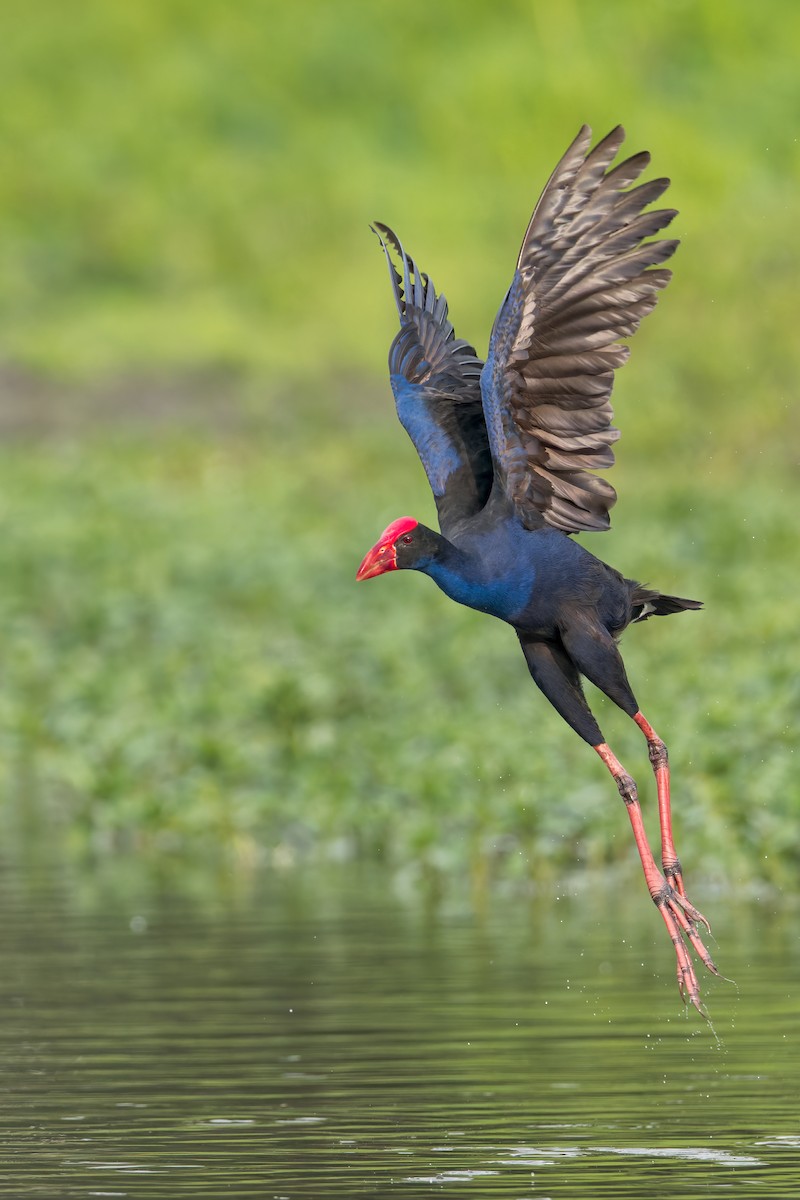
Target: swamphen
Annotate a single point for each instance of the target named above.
(509, 445)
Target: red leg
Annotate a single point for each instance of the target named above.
(660, 763)
(677, 913)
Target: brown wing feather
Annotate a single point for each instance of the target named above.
(586, 276)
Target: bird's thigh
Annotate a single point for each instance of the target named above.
(595, 654)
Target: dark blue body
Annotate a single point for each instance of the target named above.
(533, 579)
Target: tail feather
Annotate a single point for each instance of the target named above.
(647, 603)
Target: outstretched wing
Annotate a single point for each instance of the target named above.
(585, 278)
(435, 378)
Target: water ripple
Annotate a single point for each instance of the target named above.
(322, 1039)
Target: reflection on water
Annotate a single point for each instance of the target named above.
(315, 1035)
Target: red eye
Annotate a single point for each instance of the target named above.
(407, 539)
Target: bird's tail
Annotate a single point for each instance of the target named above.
(647, 603)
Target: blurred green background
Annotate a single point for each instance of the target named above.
(199, 443)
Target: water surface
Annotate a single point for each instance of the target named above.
(315, 1034)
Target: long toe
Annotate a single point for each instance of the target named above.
(687, 918)
(693, 914)
(687, 980)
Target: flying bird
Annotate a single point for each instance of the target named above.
(510, 444)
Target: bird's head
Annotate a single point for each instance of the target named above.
(403, 544)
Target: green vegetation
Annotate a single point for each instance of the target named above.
(200, 442)
(188, 664)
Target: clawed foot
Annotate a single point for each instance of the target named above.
(682, 920)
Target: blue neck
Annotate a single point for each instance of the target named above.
(460, 578)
